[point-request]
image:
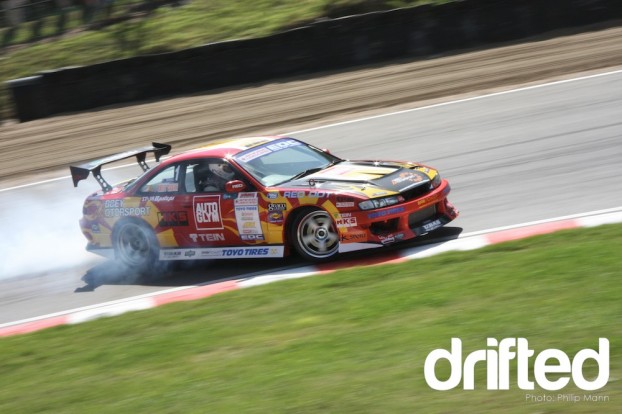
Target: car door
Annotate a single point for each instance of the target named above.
(218, 218)
(165, 197)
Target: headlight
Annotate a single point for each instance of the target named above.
(436, 181)
(380, 202)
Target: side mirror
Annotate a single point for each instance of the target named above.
(235, 186)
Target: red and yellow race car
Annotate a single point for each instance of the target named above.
(258, 197)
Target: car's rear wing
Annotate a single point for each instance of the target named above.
(81, 172)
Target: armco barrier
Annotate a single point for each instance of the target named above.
(324, 45)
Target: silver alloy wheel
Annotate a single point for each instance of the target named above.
(316, 235)
(135, 246)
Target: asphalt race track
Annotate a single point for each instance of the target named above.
(514, 157)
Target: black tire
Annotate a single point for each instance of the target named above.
(314, 235)
(135, 246)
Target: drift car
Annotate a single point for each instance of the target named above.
(258, 198)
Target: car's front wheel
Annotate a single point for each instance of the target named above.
(135, 245)
(314, 235)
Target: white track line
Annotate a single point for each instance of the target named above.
(473, 98)
(466, 241)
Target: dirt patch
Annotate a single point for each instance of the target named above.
(48, 146)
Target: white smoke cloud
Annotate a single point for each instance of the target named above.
(39, 229)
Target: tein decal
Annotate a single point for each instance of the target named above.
(207, 237)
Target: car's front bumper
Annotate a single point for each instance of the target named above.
(398, 222)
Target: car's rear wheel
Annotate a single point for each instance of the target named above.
(314, 235)
(135, 245)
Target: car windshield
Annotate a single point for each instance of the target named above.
(283, 160)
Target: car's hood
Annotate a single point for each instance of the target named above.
(369, 178)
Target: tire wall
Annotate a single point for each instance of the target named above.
(329, 44)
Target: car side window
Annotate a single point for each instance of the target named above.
(209, 175)
(166, 181)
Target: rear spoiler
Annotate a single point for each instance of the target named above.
(81, 172)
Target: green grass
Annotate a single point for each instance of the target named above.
(168, 29)
(349, 342)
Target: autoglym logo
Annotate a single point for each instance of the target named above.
(497, 360)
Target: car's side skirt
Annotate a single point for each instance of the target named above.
(222, 253)
(352, 247)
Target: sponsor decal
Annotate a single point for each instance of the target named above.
(210, 253)
(168, 254)
(294, 194)
(272, 196)
(222, 253)
(252, 237)
(246, 199)
(302, 194)
(230, 196)
(207, 237)
(407, 176)
(346, 222)
(277, 207)
(391, 238)
(172, 218)
(157, 199)
(113, 203)
(275, 217)
(254, 154)
(387, 239)
(343, 204)
(254, 252)
(95, 228)
(207, 214)
(383, 213)
(432, 225)
(247, 214)
(116, 208)
(267, 149)
(277, 146)
(166, 187)
(497, 361)
(353, 237)
(429, 200)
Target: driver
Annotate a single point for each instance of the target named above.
(215, 176)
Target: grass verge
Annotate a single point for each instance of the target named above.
(352, 341)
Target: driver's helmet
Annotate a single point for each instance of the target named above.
(222, 170)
